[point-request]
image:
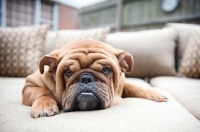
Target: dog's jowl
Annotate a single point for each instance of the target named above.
(82, 75)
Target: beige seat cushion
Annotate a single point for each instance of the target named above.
(152, 50)
(21, 49)
(131, 115)
(185, 90)
(184, 32)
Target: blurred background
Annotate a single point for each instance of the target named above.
(120, 15)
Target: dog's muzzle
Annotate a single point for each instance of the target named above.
(86, 100)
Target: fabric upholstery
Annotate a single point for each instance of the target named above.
(21, 49)
(64, 36)
(139, 82)
(184, 32)
(152, 50)
(190, 63)
(185, 90)
(131, 115)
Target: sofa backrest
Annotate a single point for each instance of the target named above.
(49, 44)
(153, 50)
(57, 39)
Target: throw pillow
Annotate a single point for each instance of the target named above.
(190, 64)
(184, 32)
(152, 50)
(64, 36)
(21, 49)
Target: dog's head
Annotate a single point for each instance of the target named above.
(87, 74)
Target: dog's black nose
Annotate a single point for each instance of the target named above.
(87, 101)
(86, 78)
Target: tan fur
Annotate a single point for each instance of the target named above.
(48, 89)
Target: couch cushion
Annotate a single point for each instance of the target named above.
(184, 31)
(21, 49)
(185, 90)
(131, 115)
(190, 63)
(152, 50)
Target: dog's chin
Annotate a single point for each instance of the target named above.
(93, 96)
(87, 101)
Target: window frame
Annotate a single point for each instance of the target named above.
(3, 13)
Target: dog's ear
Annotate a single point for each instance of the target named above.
(126, 62)
(49, 60)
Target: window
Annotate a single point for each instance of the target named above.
(28, 12)
(19, 13)
(47, 13)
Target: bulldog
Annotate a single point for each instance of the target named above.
(82, 75)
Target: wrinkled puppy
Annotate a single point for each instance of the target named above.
(82, 75)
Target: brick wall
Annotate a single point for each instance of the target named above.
(68, 17)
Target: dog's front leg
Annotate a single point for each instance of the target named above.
(131, 90)
(42, 101)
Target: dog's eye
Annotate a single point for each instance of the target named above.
(106, 71)
(68, 72)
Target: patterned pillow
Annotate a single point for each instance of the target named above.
(190, 64)
(64, 36)
(20, 49)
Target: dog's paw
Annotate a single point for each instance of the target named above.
(43, 107)
(155, 96)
